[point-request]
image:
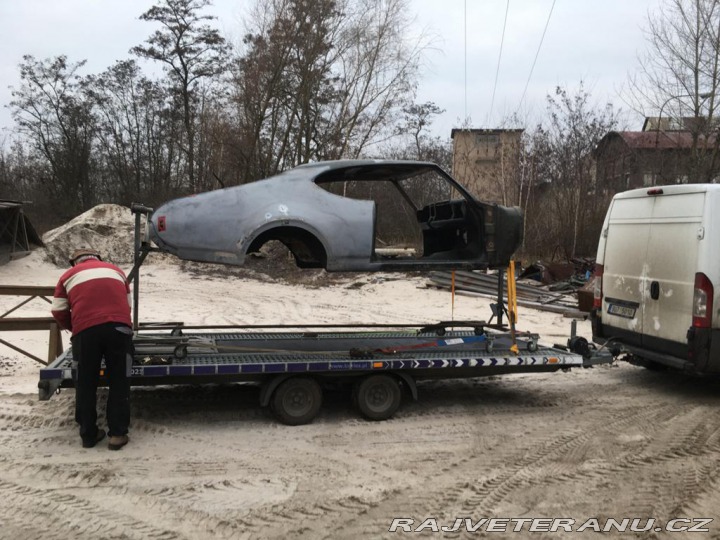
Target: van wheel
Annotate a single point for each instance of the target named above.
(297, 401)
(378, 397)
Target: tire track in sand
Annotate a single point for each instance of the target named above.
(71, 516)
(525, 466)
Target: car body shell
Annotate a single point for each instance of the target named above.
(322, 229)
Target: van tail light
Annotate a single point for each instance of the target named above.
(598, 292)
(702, 302)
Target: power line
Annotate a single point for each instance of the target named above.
(536, 56)
(497, 70)
(465, 23)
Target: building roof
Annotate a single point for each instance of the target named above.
(662, 140)
(483, 131)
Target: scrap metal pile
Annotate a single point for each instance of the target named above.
(557, 287)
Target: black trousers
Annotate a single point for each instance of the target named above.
(113, 342)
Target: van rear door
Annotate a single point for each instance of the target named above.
(672, 258)
(626, 244)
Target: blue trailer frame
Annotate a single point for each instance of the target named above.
(270, 359)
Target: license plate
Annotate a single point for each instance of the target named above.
(621, 311)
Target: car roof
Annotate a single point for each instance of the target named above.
(345, 163)
(362, 169)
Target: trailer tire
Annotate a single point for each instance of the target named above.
(297, 400)
(378, 397)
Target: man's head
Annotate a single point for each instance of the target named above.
(80, 255)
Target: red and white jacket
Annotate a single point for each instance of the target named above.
(90, 293)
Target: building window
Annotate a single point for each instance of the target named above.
(648, 179)
(486, 139)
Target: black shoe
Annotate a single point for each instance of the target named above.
(98, 437)
(116, 442)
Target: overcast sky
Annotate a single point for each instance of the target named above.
(591, 40)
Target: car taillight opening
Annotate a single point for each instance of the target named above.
(598, 293)
(702, 302)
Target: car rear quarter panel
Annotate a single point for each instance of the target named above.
(219, 226)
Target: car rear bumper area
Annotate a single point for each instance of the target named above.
(701, 353)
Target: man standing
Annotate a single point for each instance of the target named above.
(92, 299)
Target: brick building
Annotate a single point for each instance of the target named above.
(633, 159)
(486, 162)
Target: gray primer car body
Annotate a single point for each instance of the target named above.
(331, 231)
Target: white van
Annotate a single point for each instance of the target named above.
(658, 277)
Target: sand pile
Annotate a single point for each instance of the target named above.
(108, 228)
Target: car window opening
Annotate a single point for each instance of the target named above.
(415, 214)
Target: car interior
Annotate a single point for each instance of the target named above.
(420, 212)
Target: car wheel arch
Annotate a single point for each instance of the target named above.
(306, 245)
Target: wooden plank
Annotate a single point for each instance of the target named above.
(27, 290)
(55, 346)
(21, 351)
(18, 324)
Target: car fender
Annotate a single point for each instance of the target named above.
(345, 232)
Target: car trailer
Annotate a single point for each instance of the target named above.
(292, 363)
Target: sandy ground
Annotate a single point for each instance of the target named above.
(207, 462)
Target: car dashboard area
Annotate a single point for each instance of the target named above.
(450, 230)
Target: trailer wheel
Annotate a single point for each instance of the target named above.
(378, 397)
(297, 401)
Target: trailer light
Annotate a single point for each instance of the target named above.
(553, 360)
(161, 224)
(702, 302)
(377, 365)
(655, 191)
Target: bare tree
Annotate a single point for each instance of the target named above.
(53, 110)
(192, 51)
(679, 76)
(568, 211)
(282, 81)
(135, 137)
(321, 80)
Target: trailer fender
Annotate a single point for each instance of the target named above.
(267, 389)
(410, 382)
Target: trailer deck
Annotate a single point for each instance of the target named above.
(269, 358)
